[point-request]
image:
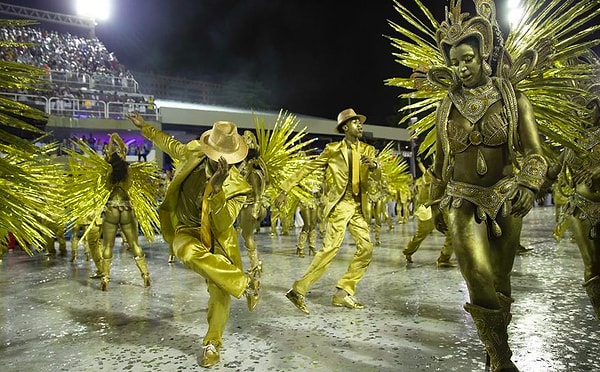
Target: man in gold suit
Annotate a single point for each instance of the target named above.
(347, 165)
(197, 216)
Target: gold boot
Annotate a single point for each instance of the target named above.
(255, 263)
(301, 243)
(252, 291)
(141, 264)
(74, 246)
(171, 256)
(98, 262)
(312, 242)
(86, 252)
(491, 328)
(97, 258)
(105, 267)
(592, 287)
(505, 304)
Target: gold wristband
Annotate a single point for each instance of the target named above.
(533, 172)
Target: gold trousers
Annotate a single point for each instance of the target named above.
(346, 215)
(424, 228)
(223, 272)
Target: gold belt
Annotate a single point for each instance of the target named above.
(487, 200)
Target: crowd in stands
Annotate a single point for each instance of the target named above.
(85, 79)
(63, 52)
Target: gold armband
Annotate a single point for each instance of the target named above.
(436, 189)
(533, 172)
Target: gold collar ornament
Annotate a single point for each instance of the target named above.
(473, 103)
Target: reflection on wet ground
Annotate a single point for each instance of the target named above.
(52, 317)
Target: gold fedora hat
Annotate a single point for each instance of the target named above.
(224, 140)
(346, 115)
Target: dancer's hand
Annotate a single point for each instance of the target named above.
(221, 173)
(280, 200)
(522, 201)
(136, 119)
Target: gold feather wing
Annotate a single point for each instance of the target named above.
(544, 44)
(282, 151)
(30, 181)
(394, 169)
(88, 190)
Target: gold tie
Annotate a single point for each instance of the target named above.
(205, 233)
(355, 170)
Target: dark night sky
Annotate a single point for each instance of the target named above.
(315, 57)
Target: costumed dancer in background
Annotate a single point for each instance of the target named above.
(403, 197)
(392, 179)
(253, 169)
(560, 196)
(92, 224)
(282, 151)
(119, 212)
(92, 242)
(308, 212)
(425, 224)
(581, 172)
(197, 218)
(348, 164)
(58, 229)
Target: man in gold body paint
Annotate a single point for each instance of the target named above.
(347, 165)
(197, 219)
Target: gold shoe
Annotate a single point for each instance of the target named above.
(312, 251)
(210, 356)
(97, 275)
(445, 264)
(252, 291)
(347, 301)
(522, 250)
(171, 259)
(147, 282)
(299, 252)
(298, 300)
(104, 284)
(408, 258)
(252, 299)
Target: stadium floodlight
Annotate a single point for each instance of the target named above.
(98, 10)
(515, 12)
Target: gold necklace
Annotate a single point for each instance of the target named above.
(473, 103)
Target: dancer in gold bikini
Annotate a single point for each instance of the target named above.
(488, 163)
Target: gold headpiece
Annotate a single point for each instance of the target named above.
(458, 26)
(116, 145)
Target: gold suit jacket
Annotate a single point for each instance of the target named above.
(224, 207)
(335, 158)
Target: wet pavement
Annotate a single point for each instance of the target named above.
(53, 318)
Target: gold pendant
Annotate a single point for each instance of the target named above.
(481, 165)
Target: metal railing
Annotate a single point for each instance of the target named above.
(85, 108)
(97, 81)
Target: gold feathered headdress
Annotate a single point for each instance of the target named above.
(116, 145)
(455, 28)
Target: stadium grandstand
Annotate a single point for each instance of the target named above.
(90, 92)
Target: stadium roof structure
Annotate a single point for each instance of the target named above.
(22, 12)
